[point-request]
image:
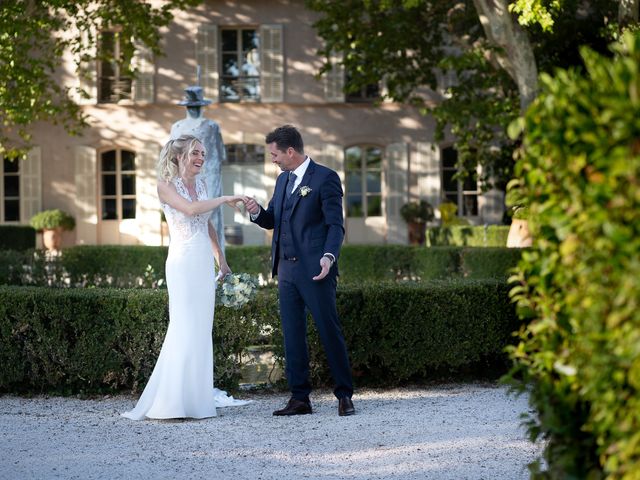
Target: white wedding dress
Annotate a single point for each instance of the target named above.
(181, 385)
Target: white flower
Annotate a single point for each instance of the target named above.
(304, 191)
(563, 369)
(237, 289)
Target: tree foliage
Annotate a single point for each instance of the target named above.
(34, 35)
(579, 351)
(405, 42)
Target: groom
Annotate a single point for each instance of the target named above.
(305, 214)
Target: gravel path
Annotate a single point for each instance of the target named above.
(470, 431)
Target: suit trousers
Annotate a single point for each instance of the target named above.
(299, 293)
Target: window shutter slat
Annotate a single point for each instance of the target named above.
(334, 81)
(30, 185)
(85, 163)
(272, 64)
(428, 173)
(87, 70)
(207, 59)
(147, 204)
(397, 168)
(491, 206)
(144, 88)
(332, 156)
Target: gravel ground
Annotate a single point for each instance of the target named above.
(469, 431)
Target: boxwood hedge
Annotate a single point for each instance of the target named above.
(96, 339)
(142, 266)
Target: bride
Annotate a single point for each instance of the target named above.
(181, 385)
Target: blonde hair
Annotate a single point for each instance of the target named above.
(169, 164)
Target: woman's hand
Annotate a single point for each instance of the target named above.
(224, 269)
(233, 200)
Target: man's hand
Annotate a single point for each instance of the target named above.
(325, 265)
(252, 206)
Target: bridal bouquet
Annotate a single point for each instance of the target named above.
(236, 290)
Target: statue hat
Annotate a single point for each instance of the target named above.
(194, 97)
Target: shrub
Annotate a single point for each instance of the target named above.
(51, 219)
(417, 212)
(488, 262)
(448, 215)
(141, 266)
(17, 237)
(251, 259)
(114, 265)
(100, 340)
(578, 286)
(97, 340)
(468, 236)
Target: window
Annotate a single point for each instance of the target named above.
(118, 185)
(364, 181)
(115, 80)
(368, 93)
(245, 153)
(463, 194)
(10, 190)
(240, 65)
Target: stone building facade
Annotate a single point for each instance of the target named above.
(258, 64)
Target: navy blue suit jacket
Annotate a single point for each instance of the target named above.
(316, 220)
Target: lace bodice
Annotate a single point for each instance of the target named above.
(181, 226)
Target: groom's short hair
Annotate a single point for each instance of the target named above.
(286, 136)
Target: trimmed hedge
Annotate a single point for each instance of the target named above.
(17, 237)
(97, 340)
(468, 236)
(102, 340)
(140, 266)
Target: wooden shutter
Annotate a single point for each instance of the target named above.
(30, 185)
(207, 59)
(143, 85)
(87, 69)
(271, 64)
(147, 204)
(427, 172)
(332, 156)
(85, 174)
(396, 191)
(334, 81)
(491, 206)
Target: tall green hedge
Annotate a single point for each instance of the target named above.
(96, 340)
(140, 266)
(17, 237)
(579, 287)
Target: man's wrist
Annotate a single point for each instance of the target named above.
(331, 257)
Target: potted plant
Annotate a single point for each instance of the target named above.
(417, 214)
(448, 216)
(51, 223)
(519, 235)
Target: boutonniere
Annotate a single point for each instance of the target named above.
(304, 191)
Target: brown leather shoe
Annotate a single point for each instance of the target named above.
(345, 407)
(294, 407)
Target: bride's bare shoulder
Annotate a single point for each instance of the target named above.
(165, 187)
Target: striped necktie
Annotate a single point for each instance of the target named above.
(291, 183)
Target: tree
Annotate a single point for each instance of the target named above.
(532, 12)
(34, 35)
(496, 62)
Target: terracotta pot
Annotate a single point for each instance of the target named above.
(52, 238)
(519, 235)
(417, 233)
